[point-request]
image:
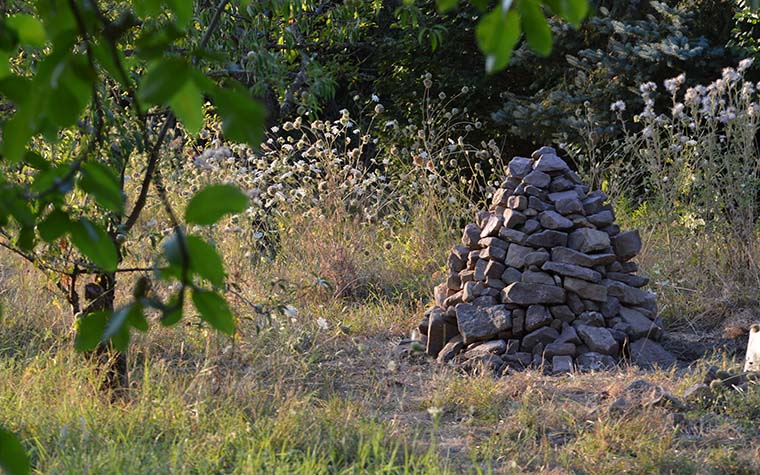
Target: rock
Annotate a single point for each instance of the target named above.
(562, 364)
(527, 294)
(548, 238)
(511, 275)
(568, 206)
(516, 255)
(494, 253)
(439, 333)
(485, 301)
(471, 236)
(512, 235)
(492, 226)
(488, 362)
(537, 204)
(554, 220)
(517, 202)
(500, 197)
(572, 270)
(543, 335)
(558, 349)
(441, 293)
(543, 150)
(633, 280)
(454, 281)
(531, 226)
(455, 263)
(568, 335)
(626, 245)
(451, 349)
(495, 347)
(648, 354)
(598, 339)
(602, 219)
(639, 325)
(611, 307)
(563, 195)
(513, 218)
(537, 178)
(513, 346)
(592, 361)
(537, 316)
(494, 269)
(590, 318)
(493, 283)
(630, 295)
(571, 256)
(550, 163)
(537, 278)
(482, 323)
(562, 312)
(519, 167)
(752, 360)
(585, 289)
(480, 269)
(593, 203)
(588, 240)
(536, 258)
(521, 359)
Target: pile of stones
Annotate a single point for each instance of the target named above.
(544, 279)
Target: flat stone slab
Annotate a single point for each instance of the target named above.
(527, 294)
(482, 323)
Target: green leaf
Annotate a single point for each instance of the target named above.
(163, 80)
(145, 8)
(5, 69)
(100, 181)
(13, 457)
(575, 11)
(117, 329)
(242, 117)
(445, 5)
(90, 329)
(213, 202)
(205, 261)
(214, 310)
(95, 244)
(187, 104)
(497, 34)
(171, 314)
(25, 238)
(16, 134)
(536, 29)
(29, 29)
(183, 11)
(55, 225)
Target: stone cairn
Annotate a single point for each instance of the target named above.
(544, 279)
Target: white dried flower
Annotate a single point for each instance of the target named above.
(617, 106)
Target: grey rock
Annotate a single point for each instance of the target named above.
(453, 299)
(633, 280)
(602, 219)
(467, 276)
(545, 150)
(493, 242)
(593, 361)
(563, 195)
(531, 190)
(500, 197)
(697, 392)
(536, 258)
(647, 354)
(471, 236)
(626, 245)
(590, 318)
(439, 333)
(610, 307)
(516, 255)
(455, 263)
(451, 349)
(575, 303)
(598, 339)
(538, 204)
(537, 178)
(511, 275)
(454, 281)
(562, 312)
(568, 206)
(572, 256)
(513, 218)
(494, 253)
(572, 270)
(517, 202)
(494, 269)
(543, 335)
(485, 301)
(512, 235)
(639, 325)
(488, 362)
(531, 226)
(585, 289)
(594, 202)
(492, 226)
(548, 238)
(558, 349)
(629, 267)
(526, 294)
(495, 283)
(537, 278)
(560, 183)
(630, 295)
(495, 347)
(568, 335)
(562, 365)
(536, 316)
(588, 240)
(471, 291)
(520, 360)
(550, 163)
(554, 220)
(480, 269)
(482, 323)
(513, 346)
(440, 294)
(519, 167)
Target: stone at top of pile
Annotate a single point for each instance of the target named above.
(544, 278)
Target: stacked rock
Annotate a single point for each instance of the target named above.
(542, 279)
